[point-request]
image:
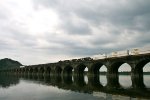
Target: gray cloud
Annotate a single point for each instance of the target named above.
(124, 15)
(79, 28)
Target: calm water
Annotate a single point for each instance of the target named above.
(70, 88)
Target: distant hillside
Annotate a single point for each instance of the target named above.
(7, 63)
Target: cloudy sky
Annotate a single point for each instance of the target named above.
(42, 31)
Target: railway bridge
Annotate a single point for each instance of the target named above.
(77, 66)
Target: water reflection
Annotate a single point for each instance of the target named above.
(103, 79)
(125, 81)
(147, 81)
(83, 84)
(7, 80)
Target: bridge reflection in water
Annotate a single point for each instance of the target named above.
(80, 84)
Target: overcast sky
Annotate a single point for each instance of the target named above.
(43, 31)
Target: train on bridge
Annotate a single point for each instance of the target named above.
(122, 53)
(111, 55)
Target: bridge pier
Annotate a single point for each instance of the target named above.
(67, 70)
(30, 71)
(79, 80)
(47, 71)
(79, 70)
(57, 79)
(58, 71)
(137, 81)
(94, 81)
(35, 71)
(41, 70)
(67, 79)
(112, 81)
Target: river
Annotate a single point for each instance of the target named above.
(29, 87)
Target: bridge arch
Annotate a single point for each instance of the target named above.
(146, 71)
(67, 70)
(95, 68)
(58, 70)
(137, 73)
(47, 70)
(113, 69)
(138, 70)
(79, 70)
(22, 70)
(113, 74)
(146, 67)
(41, 70)
(30, 70)
(102, 75)
(35, 70)
(26, 70)
(125, 75)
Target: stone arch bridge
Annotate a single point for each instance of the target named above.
(77, 66)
